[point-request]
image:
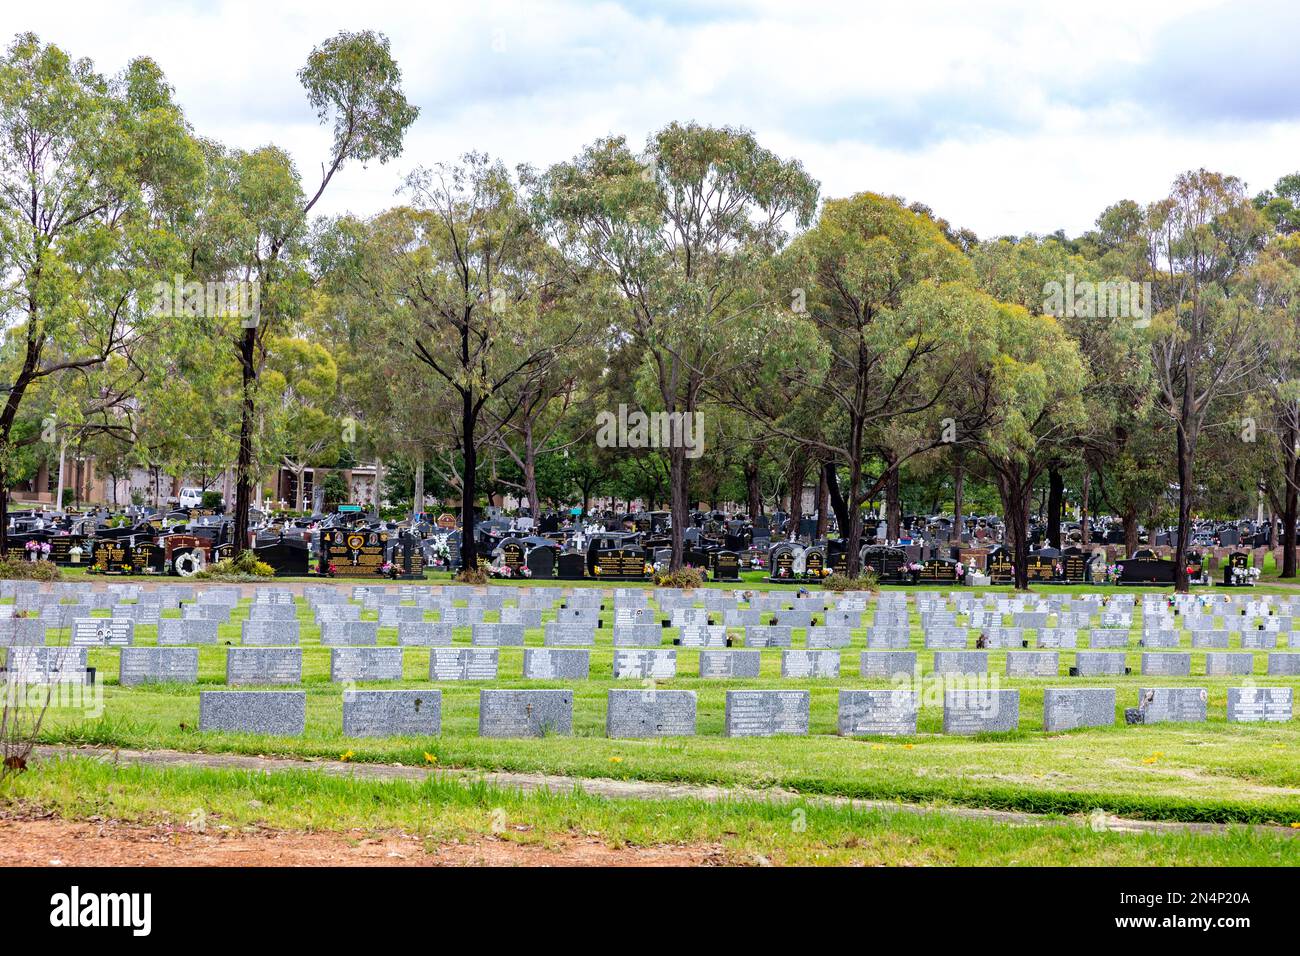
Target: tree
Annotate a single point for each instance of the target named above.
(93, 176)
(679, 235)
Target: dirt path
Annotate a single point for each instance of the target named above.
(25, 841)
(614, 789)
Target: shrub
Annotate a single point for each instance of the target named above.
(245, 567)
(681, 578)
(865, 581)
(12, 570)
(475, 576)
(211, 500)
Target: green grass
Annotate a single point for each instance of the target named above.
(1198, 772)
(745, 831)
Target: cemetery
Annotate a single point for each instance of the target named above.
(654, 497)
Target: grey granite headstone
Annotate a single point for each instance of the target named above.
(733, 664)
(497, 635)
(1258, 640)
(872, 712)
(1067, 708)
(1033, 663)
(269, 633)
(954, 638)
(769, 635)
(1228, 664)
(42, 665)
(283, 713)
(174, 632)
(22, 632)
(829, 637)
(272, 612)
(1167, 663)
(650, 713)
(525, 713)
(569, 634)
(1107, 638)
(885, 665)
(803, 663)
(659, 663)
(395, 615)
(264, 665)
(349, 634)
(1176, 704)
(156, 665)
(557, 663)
(1210, 638)
(463, 663)
(701, 635)
(638, 635)
(424, 634)
(1057, 637)
(1100, 663)
(1254, 704)
(961, 662)
(365, 663)
(980, 710)
(766, 713)
(392, 713)
(889, 638)
(102, 632)
(1284, 664)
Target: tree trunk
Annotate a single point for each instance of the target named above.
(1130, 531)
(1186, 450)
(1084, 536)
(1289, 520)
(1015, 506)
(893, 504)
(751, 487)
(837, 502)
(678, 475)
(1055, 497)
(798, 472)
(958, 493)
(823, 504)
(530, 472)
(244, 460)
(417, 490)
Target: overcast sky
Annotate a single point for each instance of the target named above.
(1004, 117)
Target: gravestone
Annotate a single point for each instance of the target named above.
(885, 665)
(462, 663)
(525, 713)
(1099, 663)
(569, 635)
(769, 635)
(980, 710)
(961, 662)
(806, 663)
(282, 713)
(269, 633)
(264, 665)
(729, 664)
(1226, 663)
(349, 634)
(497, 635)
(1173, 704)
(658, 663)
(571, 566)
(424, 634)
(365, 663)
(829, 637)
(650, 713)
(44, 665)
(638, 635)
(1284, 664)
(157, 665)
(392, 713)
(1167, 664)
(102, 632)
(888, 637)
(1068, 708)
(1259, 704)
(1107, 638)
(1033, 663)
(22, 632)
(699, 635)
(557, 663)
(173, 632)
(766, 713)
(272, 612)
(878, 712)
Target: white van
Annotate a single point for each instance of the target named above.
(190, 498)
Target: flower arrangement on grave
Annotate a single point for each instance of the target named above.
(388, 569)
(783, 572)
(332, 569)
(961, 571)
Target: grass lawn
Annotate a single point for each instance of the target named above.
(748, 832)
(1213, 771)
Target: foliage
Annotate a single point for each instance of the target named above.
(15, 569)
(683, 577)
(244, 567)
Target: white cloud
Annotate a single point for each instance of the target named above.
(1005, 117)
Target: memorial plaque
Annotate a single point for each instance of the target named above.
(44, 665)
(264, 665)
(885, 665)
(1107, 638)
(658, 663)
(950, 638)
(1259, 704)
(349, 634)
(961, 662)
(650, 713)
(1228, 664)
(1173, 704)
(889, 638)
(980, 710)
(769, 635)
(557, 663)
(829, 637)
(1258, 640)
(1284, 664)
(1057, 638)
(174, 632)
(424, 634)
(282, 713)
(1167, 664)
(1100, 663)
(638, 635)
(525, 713)
(365, 663)
(393, 615)
(497, 635)
(1210, 638)
(22, 632)
(729, 664)
(878, 712)
(569, 635)
(620, 564)
(696, 635)
(766, 713)
(1068, 708)
(1033, 663)
(102, 632)
(392, 713)
(272, 612)
(804, 663)
(269, 633)
(354, 553)
(463, 663)
(158, 665)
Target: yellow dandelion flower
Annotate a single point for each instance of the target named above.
(430, 758)
(346, 755)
